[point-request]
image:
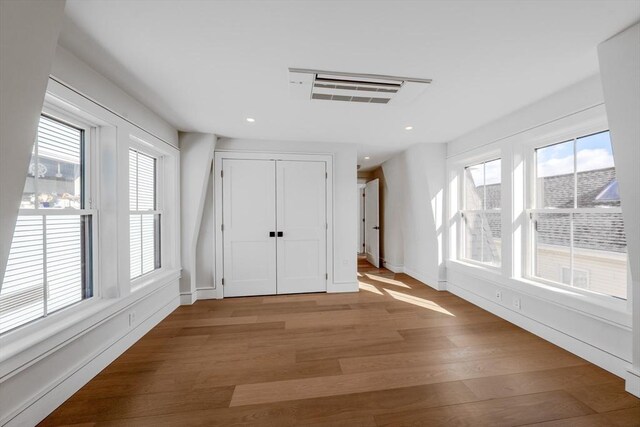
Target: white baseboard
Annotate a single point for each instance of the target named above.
(207, 293)
(438, 285)
(393, 267)
(580, 348)
(187, 299)
(339, 287)
(65, 387)
(632, 382)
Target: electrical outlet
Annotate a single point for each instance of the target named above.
(517, 303)
(499, 295)
(132, 318)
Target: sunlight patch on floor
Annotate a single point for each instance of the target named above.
(387, 280)
(420, 302)
(370, 288)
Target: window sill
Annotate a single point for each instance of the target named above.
(604, 308)
(25, 346)
(145, 280)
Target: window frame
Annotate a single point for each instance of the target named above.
(463, 211)
(531, 209)
(89, 209)
(143, 145)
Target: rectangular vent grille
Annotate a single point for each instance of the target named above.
(352, 87)
(351, 90)
(364, 99)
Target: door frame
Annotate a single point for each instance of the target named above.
(219, 156)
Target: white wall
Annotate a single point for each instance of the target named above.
(575, 98)
(597, 329)
(205, 260)
(71, 71)
(620, 70)
(414, 186)
(28, 35)
(44, 363)
(344, 204)
(360, 218)
(196, 156)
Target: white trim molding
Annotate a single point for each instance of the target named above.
(632, 382)
(342, 287)
(438, 285)
(395, 268)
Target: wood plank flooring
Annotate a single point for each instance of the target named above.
(396, 353)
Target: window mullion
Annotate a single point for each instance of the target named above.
(575, 174)
(483, 214)
(35, 172)
(571, 249)
(45, 281)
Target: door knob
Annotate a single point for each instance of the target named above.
(376, 228)
(280, 233)
(272, 234)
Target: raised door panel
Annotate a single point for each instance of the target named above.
(249, 206)
(301, 218)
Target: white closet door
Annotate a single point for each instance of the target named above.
(371, 222)
(301, 194)
(249, 215)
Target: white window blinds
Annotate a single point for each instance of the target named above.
(49, 265)
(144, 218)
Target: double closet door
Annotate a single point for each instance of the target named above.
(274, 227)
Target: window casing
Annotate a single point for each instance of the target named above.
(144, 215)
(481, 215)
(575, 223)
(50, 264)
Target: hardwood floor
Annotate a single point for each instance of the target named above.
(397, 353)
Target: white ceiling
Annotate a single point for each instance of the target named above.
(207, 65)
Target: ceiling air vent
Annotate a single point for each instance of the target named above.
(351, 87)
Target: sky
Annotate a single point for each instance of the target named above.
(593, 152)
(489, 174)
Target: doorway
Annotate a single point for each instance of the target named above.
(273, 224)
(372, 221)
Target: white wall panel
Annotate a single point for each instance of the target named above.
(620, 70)
(28, 35)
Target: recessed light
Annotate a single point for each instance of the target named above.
(367, 157)
(408, 127)
(251, 119)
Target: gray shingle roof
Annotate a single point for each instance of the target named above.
(602, 231)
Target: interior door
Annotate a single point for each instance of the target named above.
(302, 226)
(371, 222)
(249, 218)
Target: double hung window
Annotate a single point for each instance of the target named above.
(481, 215)
(144, 216)
(577, 230)
(50, 261)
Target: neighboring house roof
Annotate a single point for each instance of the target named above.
(596, 188)
(558, 190)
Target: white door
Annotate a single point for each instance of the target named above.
(248, 219)
(360, 246)
(302, 226)
(371, 222)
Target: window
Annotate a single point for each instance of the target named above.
(50, 260)
(481, 214)
(577, 228)
(144, 218)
